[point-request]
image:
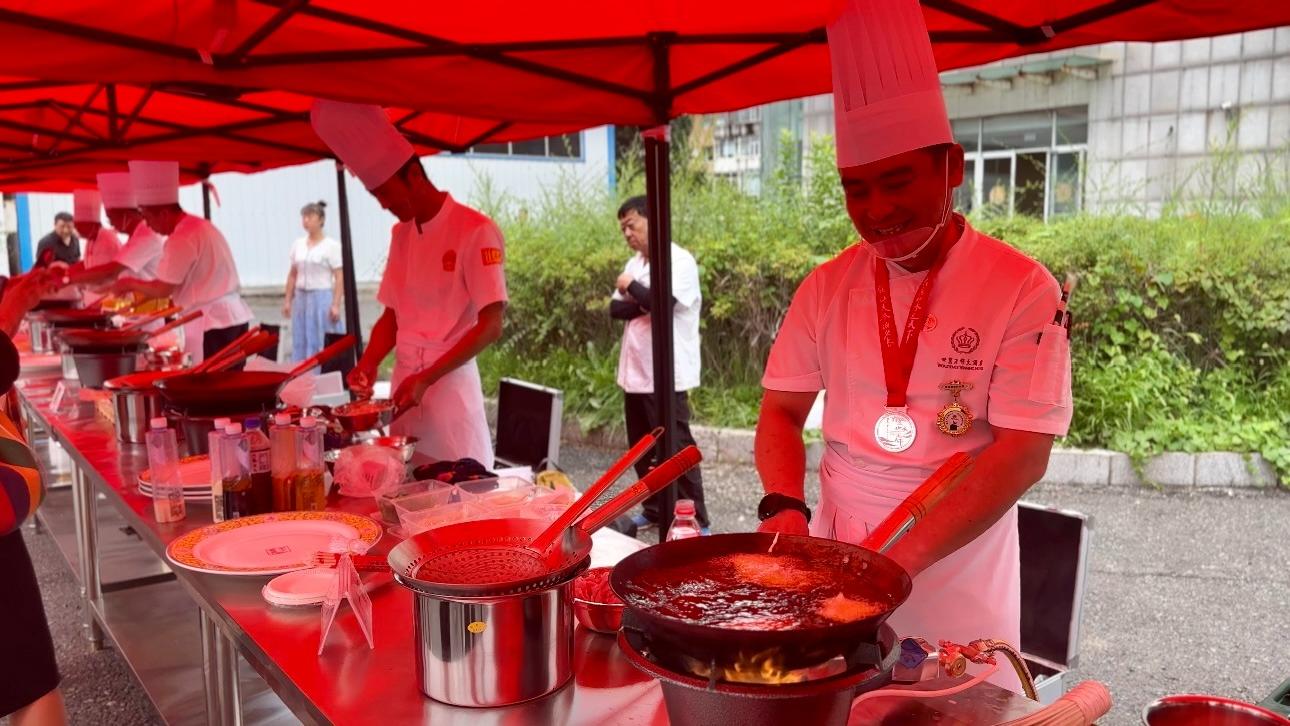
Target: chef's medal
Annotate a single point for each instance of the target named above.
(895, 430)
(955, 419)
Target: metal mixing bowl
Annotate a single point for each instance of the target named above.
(405, 445)
(364, 415)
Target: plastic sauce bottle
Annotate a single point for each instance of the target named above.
(235, 465)
(308, 481)
(217, 475)
(163, 463)
(282, 461)
(684, 523)
(261, 468)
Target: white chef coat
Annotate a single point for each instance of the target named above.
(436, 281)
(636, 355)
(315, 264)
(987, 305)
(197, 260)
(142, 252)
(103, 248)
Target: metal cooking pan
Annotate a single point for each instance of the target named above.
(854, 569)
(75, 317)
(238, 390)
(92, 339)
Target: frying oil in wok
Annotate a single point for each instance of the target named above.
(756, 592)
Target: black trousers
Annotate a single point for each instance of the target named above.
(642, 417)
(27, 669)
(213, 340)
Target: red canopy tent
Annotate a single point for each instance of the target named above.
(56, 135)
(580, 61)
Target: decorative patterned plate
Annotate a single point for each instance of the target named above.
(267, 544)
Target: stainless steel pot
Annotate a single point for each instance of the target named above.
(95, 368)
(135, 407)
(487, 652)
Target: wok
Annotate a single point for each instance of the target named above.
(855, 570)
(237, 390)
(91, 339)
(75, 317)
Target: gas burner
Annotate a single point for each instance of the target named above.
(820, 694)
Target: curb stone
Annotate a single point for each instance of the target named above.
(1084, 467)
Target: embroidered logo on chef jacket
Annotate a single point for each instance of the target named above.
(449, 260)
(965, 340)
(930, 325)
(492, 255)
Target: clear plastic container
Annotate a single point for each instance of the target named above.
(282, 461)
(307, 482)
(434, 508)
(163, 462)
(235, 465)
(217, 474)
(684, 523)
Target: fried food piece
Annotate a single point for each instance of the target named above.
(777, 571)
(842, 609)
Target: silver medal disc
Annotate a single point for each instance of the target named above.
(895, 430)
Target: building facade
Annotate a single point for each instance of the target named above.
(1119, 127)
(260, 213)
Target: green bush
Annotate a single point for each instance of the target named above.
(1182, 323)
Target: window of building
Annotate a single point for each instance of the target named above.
(1025, 163)
(562, 146)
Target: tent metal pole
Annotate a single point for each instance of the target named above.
(657, 186)
(206, 200)
(353, 325)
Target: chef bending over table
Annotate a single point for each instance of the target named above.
(925, 339)
(142, 250)
(444, 288)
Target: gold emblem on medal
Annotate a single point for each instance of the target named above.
(955, 419)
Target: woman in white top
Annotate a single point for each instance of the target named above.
(314, 285)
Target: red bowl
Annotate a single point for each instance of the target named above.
(595, 606)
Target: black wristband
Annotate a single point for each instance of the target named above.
(773, 504)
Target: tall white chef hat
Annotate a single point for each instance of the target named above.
(155, 182)
(116, 189)
(886, 94)
(87, 206)
(363, 138)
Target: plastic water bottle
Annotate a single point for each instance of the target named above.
(163, 461)
(684, 523)
(309, 481)
(217, 474)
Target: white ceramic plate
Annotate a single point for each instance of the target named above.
(268, 544)
(299, 588)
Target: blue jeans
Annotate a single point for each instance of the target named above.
(310, 321)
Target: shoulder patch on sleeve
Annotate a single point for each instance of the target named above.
(491, 255)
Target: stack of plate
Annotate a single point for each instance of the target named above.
(195, 471)
(302, 588)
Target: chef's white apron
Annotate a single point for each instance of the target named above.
(973, 593)
(450, 423)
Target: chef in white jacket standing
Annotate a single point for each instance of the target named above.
(196, 269)
(444, 287)
(928, 338)
(142, 250)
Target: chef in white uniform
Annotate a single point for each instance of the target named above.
(142, 250)
(924, 338)
(101, 243)
(444, 287)
(196, 269)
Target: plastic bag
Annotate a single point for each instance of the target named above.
(368, 471)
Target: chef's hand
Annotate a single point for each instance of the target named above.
(361, 381)
(789, 521)
(411, 391)
(625, 281)
(335, 314)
